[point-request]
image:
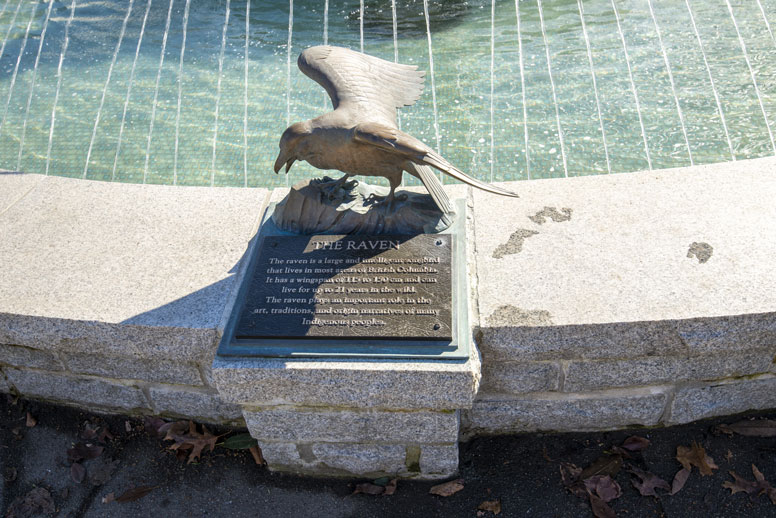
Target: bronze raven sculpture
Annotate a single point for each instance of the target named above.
(361, 137)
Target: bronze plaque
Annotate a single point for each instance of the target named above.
(351, 287)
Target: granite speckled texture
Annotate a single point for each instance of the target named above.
(202, 404)
(27, 357)
(729, 397)
(163, 371)
(520, 377)
(547, 411)
(351, 425)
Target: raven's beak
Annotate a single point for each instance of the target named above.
(284, 159)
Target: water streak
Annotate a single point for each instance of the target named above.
(361, 23)
(671, 80)
(180, 92)
(10, 27)
(751, 73)
(552, 85)
(325, 42)
(245, 94)
(107, 82)
(32, 85)
(156, 90)
(59, 84)
(632, 84)
(711, 80)
(218, 94)
(433, 81)
(492, 81)
(595, 85)
(765, 19)
(288, 65)
(129, 90)
(16, 67)
(522, 90)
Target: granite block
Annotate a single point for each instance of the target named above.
(556, 412)
(201, 404)
(616, 256)
(732, 333)
(520, 377)
(362, 459)
(91, 393)
(695, 402)
(404, 385)
(600, 374)
(163, 371)
(439, 460)
(351, 425)
(143, 269)
(19, 356)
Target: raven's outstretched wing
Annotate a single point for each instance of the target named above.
(361, 83)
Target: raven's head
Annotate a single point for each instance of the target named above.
(289, 141)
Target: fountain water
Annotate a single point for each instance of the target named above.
(751, 73)
(245, 94)
(156, 90)
(129, 89)
(16, 67)
(433, 81)
(68, 23)
(765, 19)
(10, 27)
(554, 95)
(595, 85)
(361, 24)
(632, 84)
(107, 82)
(492, 80)
(32, 84)
(218, 93)
(325, 42)
(288, 65)
(522, 90)
(711, 81)
(180, 95)
(671, 80)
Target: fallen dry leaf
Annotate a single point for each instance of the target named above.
(190, 439)
(648, 483)
(367, 488)
(569, 474)
(695, 456)
(604, 486)
(135, 493)
(494, 506)
(635, 443)
(759, 487)
(38, 501)
(679, 480)
(600, 508)
(257, 456)
(84, 451)
(391, 486)
(30, 421)
(605, 465)
(448, 488)
(756, 428)
(110, 497)
(77, 472)
(9, 474)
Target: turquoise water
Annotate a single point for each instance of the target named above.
(123, 113)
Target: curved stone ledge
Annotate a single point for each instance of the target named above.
(599, 302)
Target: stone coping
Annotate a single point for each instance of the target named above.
(580, 288)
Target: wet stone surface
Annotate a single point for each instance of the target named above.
(350, 286)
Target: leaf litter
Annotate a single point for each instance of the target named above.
(760, 486)
(447, 488)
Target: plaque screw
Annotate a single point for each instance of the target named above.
(436, 327)
(438, 242)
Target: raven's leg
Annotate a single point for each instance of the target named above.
(395, 181)
(332, 188)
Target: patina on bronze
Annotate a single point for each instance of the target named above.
(361, 137)
(383, 287)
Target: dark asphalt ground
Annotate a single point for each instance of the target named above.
(522, 471)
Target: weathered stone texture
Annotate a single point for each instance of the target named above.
(202, 404)
(520, 377)
(82, 391)
(163, 371)
(439, 460)
(698, 402)
(351, 425)
(19, 356)
(563, 412)
(356, 384)
(363, 459)
(602, 374)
